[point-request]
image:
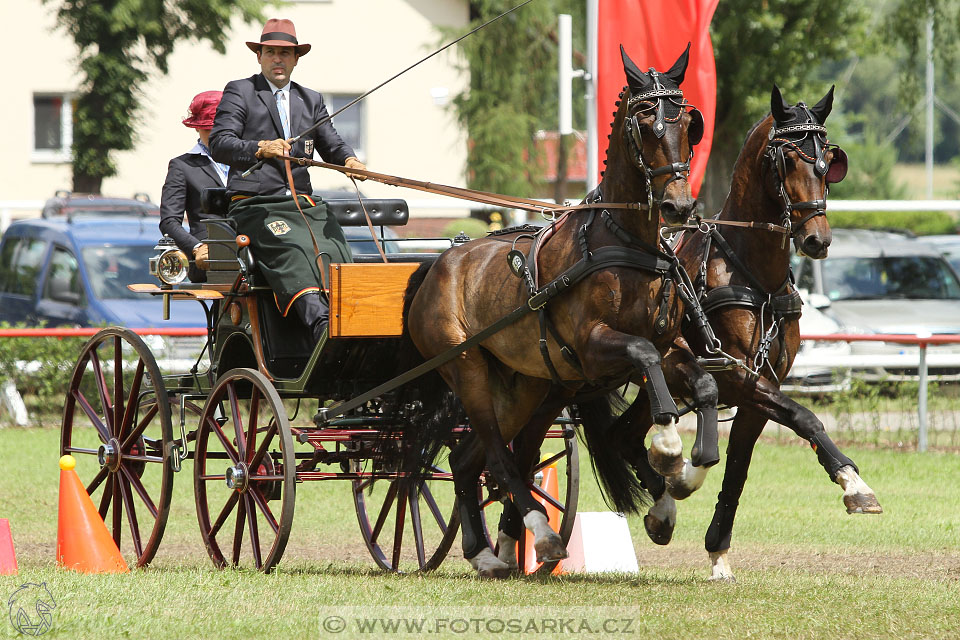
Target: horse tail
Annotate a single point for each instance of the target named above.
(427, 409)
(619, 485)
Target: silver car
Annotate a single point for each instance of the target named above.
(877, 282)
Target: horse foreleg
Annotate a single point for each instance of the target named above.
(772, 403)
(746, 428)
(609, 349)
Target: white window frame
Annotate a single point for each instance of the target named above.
(361, 149)
(64, 153)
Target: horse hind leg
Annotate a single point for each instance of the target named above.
(466, 463)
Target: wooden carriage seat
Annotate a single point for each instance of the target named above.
(287, 343)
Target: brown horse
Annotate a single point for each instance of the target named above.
(742, 277)
(600, 333)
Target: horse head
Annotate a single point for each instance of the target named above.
(654, 134)
(801, 165)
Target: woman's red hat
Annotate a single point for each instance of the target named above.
(202, 109)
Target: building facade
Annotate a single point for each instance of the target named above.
(405, 128)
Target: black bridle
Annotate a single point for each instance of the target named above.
(812, 135)
(655, 100)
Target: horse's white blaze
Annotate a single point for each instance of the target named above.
(851, 482)
(664, 509)
(508, 550)
(720, 568)
(485, 562)
(667, 441)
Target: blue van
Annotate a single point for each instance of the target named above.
(74, 271)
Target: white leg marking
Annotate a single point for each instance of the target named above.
(489, 566)
(508, 550)
(667, 440)
(851, 481)
(720, 568)
(664, 509)
(687, 481)
(857, 496)
(538, 524)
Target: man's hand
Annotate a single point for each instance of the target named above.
(353, 163)
(272, 148)
(200, 256)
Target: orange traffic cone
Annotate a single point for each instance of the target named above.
(8, 559)
(550, 485)
(83, 542)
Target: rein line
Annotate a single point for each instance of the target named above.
(484, 197)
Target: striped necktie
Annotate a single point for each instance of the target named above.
(283, 114)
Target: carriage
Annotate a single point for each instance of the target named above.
(273, 410)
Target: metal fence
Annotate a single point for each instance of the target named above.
(900, 391)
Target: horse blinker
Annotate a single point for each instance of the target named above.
(838, 166)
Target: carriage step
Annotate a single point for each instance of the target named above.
(717, 364)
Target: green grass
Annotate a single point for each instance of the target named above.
(946, 180)
(805, 568)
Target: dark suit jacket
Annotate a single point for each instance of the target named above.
(187, 176)
(248, 113)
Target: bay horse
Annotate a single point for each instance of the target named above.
(741, 273)
(600, 333)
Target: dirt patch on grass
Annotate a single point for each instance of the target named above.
(919, 565)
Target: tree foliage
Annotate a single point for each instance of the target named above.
(512, 92)
(120, 44)
(759, 44)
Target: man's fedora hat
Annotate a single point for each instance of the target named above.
(279, 32)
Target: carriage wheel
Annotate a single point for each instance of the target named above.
(406, 530)
(560, 450)
(116, 423)
(245, 488)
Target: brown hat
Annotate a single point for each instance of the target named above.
(202, 109)
(279, 32)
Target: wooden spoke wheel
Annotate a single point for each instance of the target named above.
(559, 450)
(116, 423)
(244, 472)
(405, 529)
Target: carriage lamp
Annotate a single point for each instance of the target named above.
(170, 266)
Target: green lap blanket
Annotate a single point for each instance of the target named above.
(282, 246)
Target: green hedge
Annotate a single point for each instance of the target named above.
(42, 387)
(922, 223)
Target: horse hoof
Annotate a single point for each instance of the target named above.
(862, 503)
(729, 579)
(495, 573)
(659, 531)
(489, 566)
(665, 465)
(550, 549)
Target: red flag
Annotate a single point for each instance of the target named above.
(654, 34)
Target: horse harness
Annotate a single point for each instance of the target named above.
(809, 140)
(784, 302)
(655, 100)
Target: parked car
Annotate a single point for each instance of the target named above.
(68, 204)
(63, 271)
(949, 246)
(884, 283)
(810, 373)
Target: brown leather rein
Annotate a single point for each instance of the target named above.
(464, 193)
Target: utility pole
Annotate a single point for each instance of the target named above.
(930, 100)
(593, 18)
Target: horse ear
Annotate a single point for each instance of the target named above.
(636, 79)
(822, 109)
(679, 67)
(778, 106)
